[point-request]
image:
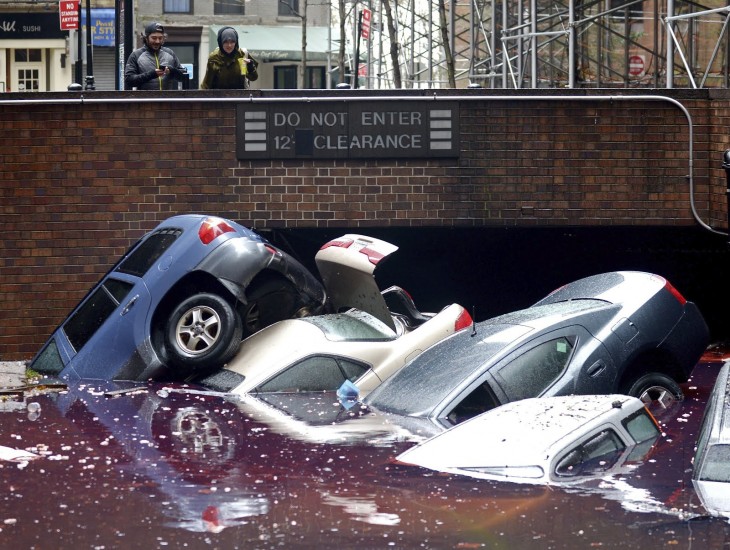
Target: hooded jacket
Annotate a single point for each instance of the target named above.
(229, 71)
(139, 72)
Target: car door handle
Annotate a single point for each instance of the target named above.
(596, 368)
(130, 305)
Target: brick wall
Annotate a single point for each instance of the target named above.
(81, 181)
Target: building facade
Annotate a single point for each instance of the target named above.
(36, 55)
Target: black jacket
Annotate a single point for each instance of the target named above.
(139, 71)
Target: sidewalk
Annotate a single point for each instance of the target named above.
(12, 373)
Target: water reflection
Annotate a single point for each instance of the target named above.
(160, 467)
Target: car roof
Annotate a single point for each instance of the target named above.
(527, 432)
(421, 385)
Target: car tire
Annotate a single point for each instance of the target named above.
(203, 332)
(269, 301)
(655, 387)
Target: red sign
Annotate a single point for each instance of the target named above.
(68, 11)
(636, 65)
(365, 23)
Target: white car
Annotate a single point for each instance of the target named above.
(551, 440)
(370, 335)
(711, 470)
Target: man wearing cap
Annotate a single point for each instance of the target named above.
(229, 67)
(153, 67)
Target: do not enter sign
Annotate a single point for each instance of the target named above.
(636, 65)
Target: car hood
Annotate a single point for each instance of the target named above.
(347, 267)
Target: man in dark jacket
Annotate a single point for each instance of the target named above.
(153, 67)
(229, 67)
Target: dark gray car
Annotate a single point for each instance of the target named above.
(618, 332)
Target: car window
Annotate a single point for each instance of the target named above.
(714, 467)
(146, 254)
(478, 401)
(49, 360)
(641, 426)
(319, 373)
(599, 453)
(352, 325)
(86, 320)
(536, 369)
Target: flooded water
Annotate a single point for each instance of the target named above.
(162, 468)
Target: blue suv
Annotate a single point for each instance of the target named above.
(178, 302)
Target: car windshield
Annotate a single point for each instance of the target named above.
(422, 384)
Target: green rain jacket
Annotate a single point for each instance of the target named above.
(223, 72)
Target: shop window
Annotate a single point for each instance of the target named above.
(221, 7)
(178, 6)
(29, 55)
(285, 78)
(316, 78)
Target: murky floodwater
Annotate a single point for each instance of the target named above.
(162, 468)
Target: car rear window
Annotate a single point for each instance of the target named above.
(352, 325)
(641, 426)
(146, 254)
(100, 304)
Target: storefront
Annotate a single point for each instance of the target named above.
(34, 53)
(103, 42)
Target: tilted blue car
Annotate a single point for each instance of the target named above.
(179, 301)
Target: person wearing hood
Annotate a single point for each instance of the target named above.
(229, 67)
(153, 67)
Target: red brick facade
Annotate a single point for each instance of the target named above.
(82, 180)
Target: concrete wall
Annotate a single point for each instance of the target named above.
(82, 180)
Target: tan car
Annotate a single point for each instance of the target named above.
(370, 336)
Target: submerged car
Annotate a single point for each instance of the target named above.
(621, 332)
(180, 300)
(711, 473)
(552, 440)
(371, 335)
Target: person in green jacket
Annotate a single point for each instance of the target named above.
(229, 67)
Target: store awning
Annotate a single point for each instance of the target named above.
(278, 43)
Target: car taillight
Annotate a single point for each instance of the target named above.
(342, 243)
(212, 228)
(373, 255)
(463, 321)
(674, 292)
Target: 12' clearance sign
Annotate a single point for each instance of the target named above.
(68, 11)
(355, 130)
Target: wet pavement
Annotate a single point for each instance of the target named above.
(156, 466)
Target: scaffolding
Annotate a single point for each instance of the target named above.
(514, 44)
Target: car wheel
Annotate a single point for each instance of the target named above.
(203, 332)
(656, 388)
(268, 302)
